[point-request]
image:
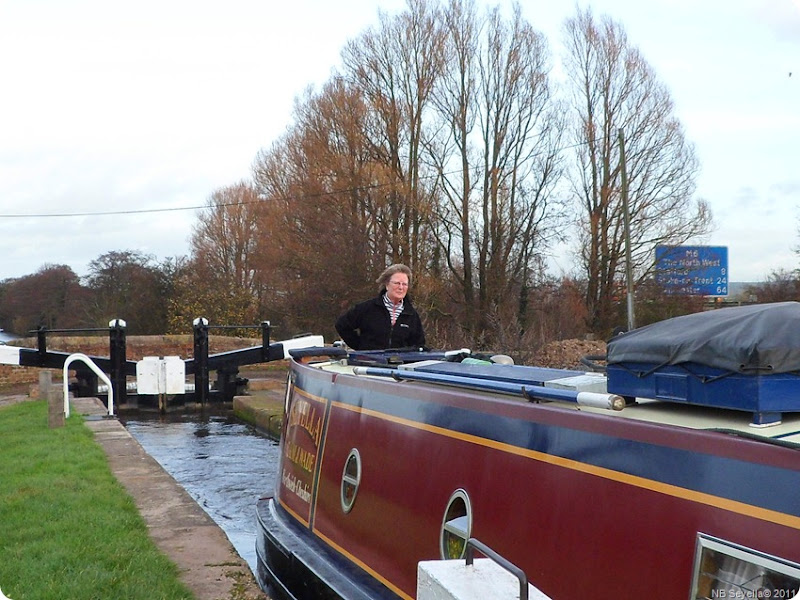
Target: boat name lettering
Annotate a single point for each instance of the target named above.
(300, 456)
(304, 416)
(298, 488)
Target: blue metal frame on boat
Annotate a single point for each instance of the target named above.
(767, 397)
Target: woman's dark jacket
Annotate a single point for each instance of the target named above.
(368, 326)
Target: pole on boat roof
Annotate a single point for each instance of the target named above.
(627, 218)
(531, 392)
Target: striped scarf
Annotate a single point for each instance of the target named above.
(394, 309)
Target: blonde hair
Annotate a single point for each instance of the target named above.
(383, 278)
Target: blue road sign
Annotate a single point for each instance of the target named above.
(693, 270)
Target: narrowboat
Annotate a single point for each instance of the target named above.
(673, 472)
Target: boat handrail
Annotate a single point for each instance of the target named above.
(329, 351)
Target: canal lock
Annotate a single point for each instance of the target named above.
(223, 463)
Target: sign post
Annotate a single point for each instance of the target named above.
(692, 270)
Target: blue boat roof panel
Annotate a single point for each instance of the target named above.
(518, 374)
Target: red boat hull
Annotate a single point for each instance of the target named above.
(587, 505)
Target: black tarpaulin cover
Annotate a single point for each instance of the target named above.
(762, 338)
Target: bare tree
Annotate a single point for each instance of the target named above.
(346, 179)
(225, 234)
(781, 285)
(393, 68)
(222, 281)
(494, 145)
(323, 193)
(436, 145)
(613, 90)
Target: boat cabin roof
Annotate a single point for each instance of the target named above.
(679, 414)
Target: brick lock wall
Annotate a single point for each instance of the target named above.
(12, 374)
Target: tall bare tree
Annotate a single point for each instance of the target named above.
(346, 179)
(495, 148)
(222, 281)
(393, 67)
(436, 145)
(613, 89)
(323, 191)
(225, 234)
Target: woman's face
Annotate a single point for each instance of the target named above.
(397, 287)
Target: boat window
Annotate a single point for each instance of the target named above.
(351, 478)
(456, 526)
(726, 570)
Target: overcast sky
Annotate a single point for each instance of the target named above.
(154, 105)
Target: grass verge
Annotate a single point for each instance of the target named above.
(68, 529)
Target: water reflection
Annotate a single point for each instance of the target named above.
(224, 464)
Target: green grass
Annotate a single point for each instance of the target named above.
(68, 529)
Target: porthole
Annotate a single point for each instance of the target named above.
(456, 526)
(351, 478)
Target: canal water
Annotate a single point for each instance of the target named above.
(224, 464)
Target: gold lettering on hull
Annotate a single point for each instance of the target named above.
(294, 485)
(304, 416)
(300, 456)
(300, 448)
